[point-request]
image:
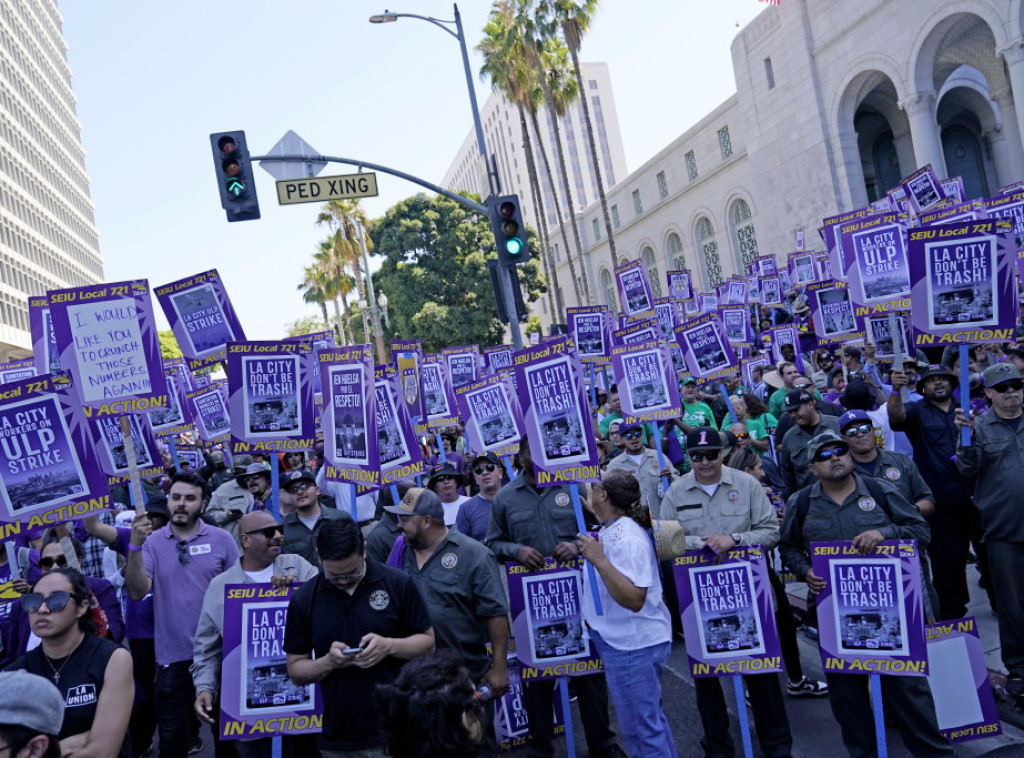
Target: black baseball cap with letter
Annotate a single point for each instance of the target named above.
(703, 437)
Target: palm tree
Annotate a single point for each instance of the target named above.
(575, 18)
(336, 283)
(312, 289)
(343, 218)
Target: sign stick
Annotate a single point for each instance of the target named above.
(661, 457)
(440, 448)
(876, 704)
(741, 709)
(275, 484)
(728, 402)
(897, 353)
(581, 525)
(353, 493)
(12, 559)
(563, 691)
(135, 483)
(965, 394)
(395, 498)
(593, 388)
(173, 450)
(507, 460)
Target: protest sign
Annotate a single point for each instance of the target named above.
(736, 323)
(494, 421)
(832, 311)
(556, 414)
(823, 264)
(875, 263)
(753, 289)
(963, 286)
(110, 443)
(106, 335)
(49, 471)
(174, 418)
(830, 234)
(591, 332)
(271, 396)
(680, 284)
(880, 335)
(497, 358)
(801, 268)
(209, 410)
(190, 457)
(705, 347)
(350, 415)
(257, 698)
(958, 677)
(438, 398)
(766, 265)
(176, 367)
(408, 359)
(667, 313)
(640, 330)
(15, 370)
(678, 360)
(398, 450)
(727, 613)
(786, 344)
(749, 364)
(922, 189)
(973, 210)
(898, 200)
(735, 292)
(318, 341)
(547, 619)
(953, 188)
(871, 612)
(463, 364)
(1011, 208)
(201, 317)
(707, 302)
(771, 291)
(648, 388)
(635, 289)
(44, 342)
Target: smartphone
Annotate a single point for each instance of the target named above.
(352, 651)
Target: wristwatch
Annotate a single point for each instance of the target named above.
(735, 538)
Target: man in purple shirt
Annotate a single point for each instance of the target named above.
(177, 563)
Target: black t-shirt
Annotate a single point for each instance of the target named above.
(81, 681)
(387, 603)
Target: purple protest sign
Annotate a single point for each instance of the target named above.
(898, 200)
(106, 335)
(15, 370)
(209, 409)
(1010, 207)
(350, 415)
(735, 292)
(736, 323)
(201, 317)
(667, 313)
(494, 421)
(771, 290)
(271, 396)
(766, 266)
(511, 724)
(175, 417)
(44, 342)
(823, 262)
(675, 353)
(963, 285)
(958, 676)
(635, 290)
(680, 284)
(753, 289)
(497, 358)
(953, 188)
(257, 699)
(801, 269)
(875, 263)
(463, 364)
(318, 341)
(871, 612)
(438, 398)
(190, 455)
(591, 332)
(922, 189)
(783, 336)
(648, 387)
(727, 613)
(547, 620)
(880, 335)
(690, 308)
(408, 359)
(398, 449)
(973, 210)
(708, 302)
(830, 228)
(556, 414)
(49, 471)
(641, 330)
(109, 440)
(833, 313)
(705, 347)
(749, 364)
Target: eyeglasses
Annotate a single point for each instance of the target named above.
(299, 487)
(48, 562)
(183, 554)
(743, 436)
(1014, 384)
(830, 452)
(269, 532)
(856, 431)
(335, 578)
(488, 467)
(55, 601)
(634, 435)
(711, 455)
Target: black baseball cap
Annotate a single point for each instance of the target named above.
(796, 398)
(703, 437)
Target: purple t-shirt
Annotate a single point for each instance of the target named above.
(138, 614)
(179, 584)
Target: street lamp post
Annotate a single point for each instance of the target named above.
(371, 300)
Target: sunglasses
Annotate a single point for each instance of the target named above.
(1014, 384)
(183, 554)
(299, 487)
(830, 452)
(856, 431)
(711, 455)
(269, 532)
(444, 478)
(801, 386)
(55, 601)
(488, 467)
(48, 562)
(743, 436)
(634, 435)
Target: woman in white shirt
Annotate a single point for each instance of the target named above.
(633, 635)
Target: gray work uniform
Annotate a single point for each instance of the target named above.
(908, 697)
(794, 458)
(522, 515)
(901, 472)
(300, 539)
(647, 472)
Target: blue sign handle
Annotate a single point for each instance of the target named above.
(275, 489)
(593, 387)
(876, 704)
(728, 403)
(354, 493)
(581, 525)
(563, 691)
(173, 450)
(965, 394)
(440, 448)
(507, 460)
(741, 709)
(661, 462)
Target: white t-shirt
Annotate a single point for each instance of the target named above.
(630, 550)
(262, 576)
(451, 510)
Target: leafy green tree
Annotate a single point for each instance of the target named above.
(168, 345)
(305, 325)
(435, 273)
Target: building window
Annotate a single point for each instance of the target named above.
(691, 165)
(608, 287)
(592, 84)
(725, 142)
(769, 74)
(651, 265)
(597, 230)
(662, 185)
(615, 216)
(675, 251)
(558, 257)
(638, 206)
(709, 247)
(746, 239)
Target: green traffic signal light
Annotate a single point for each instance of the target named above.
(234, 173)
(514, 246)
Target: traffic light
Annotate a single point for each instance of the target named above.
(234, 176)
(509, 230)
(499, 293)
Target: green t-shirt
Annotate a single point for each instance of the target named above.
(758, 428)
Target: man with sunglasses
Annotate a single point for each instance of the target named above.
(261, 562)
(475, 514)
(721, 507)
(177, 564)
(844, 506)
(303, 524)
(445, 481)
(642, 462)
(808, 422)
(995, 460)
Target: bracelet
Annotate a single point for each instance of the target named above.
(134, 549)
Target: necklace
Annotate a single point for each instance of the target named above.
(56, 671)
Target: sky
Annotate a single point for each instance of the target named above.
(154, 79)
